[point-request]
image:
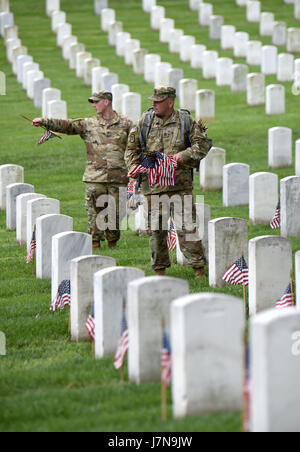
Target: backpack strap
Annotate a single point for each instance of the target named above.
(145, 129)
(185, 126)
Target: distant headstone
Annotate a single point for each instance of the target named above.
(38, 87)
(255, 89)
(117, 91)
(108, 16)
(211, 170)
(209, 64)
(99, 6)
(293, 40)
(207, 371)
(280, 147)
(157, 13)
(82, 272)
(236, 184)
(110, 293)
(12, 191)
(21, 214)
(254, 51)
(49, 94)
(37, 208)
(290, 206)
(188, 89)
(275, 100)
(51, 6)
(239, 77)
(150, 63)
(266, 24)
(149, 300)
(132, 106)
(9, 174)
(57, 109)
(263, 194)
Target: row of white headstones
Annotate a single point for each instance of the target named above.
(206, 329)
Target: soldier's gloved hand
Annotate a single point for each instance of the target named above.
(178, 158)
(37, 122)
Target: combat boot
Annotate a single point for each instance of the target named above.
(96, 246)
(199, 273)
(112, 244)
(161, 272)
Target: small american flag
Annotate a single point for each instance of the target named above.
(90, 323)
(287, 298)
(166, 360)
(275, 222)
(161, 170)
(63, 297)
(238, 273)
(32, 248)
(171, 238)
(123, 344)
(131, 189)
(47, 136)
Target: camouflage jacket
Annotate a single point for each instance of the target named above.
(165, 136)
(105, 144)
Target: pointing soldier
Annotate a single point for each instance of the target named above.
(173, 133)
(105, 136)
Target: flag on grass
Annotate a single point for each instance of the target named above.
(160, 171)
(287, 298)
(90, 323)
(32, 248)
(171, 238)
(63, 297)
(238, 273)
(123, 344)
(275, 222)
(47, 136)
(166, 360)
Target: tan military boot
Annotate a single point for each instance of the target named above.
(96, 246)
(199, 273)
(161, 272)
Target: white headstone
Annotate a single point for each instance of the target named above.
(205, 105)
(108, 80)
(253, 11)
(139, 61)
(6, 18)
(224, 72)
(157, 13)
(51, 6)
(132, 106)
(21, 60)
(227, 238)
(197, 56)
(188, 89)
(63, 31)
(211, 170)
(57, 109)
(227, 37)
(275, 369)
(289, 206)
(38, 87)
(275, 100)
(293, 40)
(240, 47)
(263, 197)
(205, 11)
(21, 215)
(97, 73)
(256, 89)
(37, 208)
(254, 49)
(285, 69)
(48, 95)
(266, 24)
(236, 184)
(297, 277)
(113, 29)
(239, 77)
(297, 9)
(74, 49)
(27, 67)
(121, 39)
(12, 191)
(10, 44)
(46, 227)
(88, 65)
(99, 6)
(130, 46)
(209, 66)
(57, 18)
(166, 25)
(16, 52)
(117, 91)
(161, 73)
(279, 36)
(66, 246)
(9, 174)
(150, 63)
(174, 40)
(4, 6)
(270, 264)
(280, 147)
(297, 158)
(110, 294)
(148, 5)
(207, 370)
(82, 270)
(215, 25)
(32, 77)
(67, 42)
(185, 48)
(269, 60)
(149, 300)
(108, 16)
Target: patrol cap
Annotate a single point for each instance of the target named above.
(101, 95)
(162, 93)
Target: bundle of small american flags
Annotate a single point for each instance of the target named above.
(171, 238)
(32, 248)
(123, 344)
(238, 273)
(160, 171)
(63, 297)
(90, 323)
(166, 360)
(47, 136)
(287, 299)
(275, 222)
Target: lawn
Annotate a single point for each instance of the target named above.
(48, 383)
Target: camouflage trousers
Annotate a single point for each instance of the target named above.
(190, 246)
(93, 192)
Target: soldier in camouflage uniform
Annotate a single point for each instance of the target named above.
(105, 136)
(165, 136)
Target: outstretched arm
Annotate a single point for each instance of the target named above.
(69, 127)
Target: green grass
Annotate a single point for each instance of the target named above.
(48, 383)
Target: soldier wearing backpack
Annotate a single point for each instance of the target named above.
(176, 134)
